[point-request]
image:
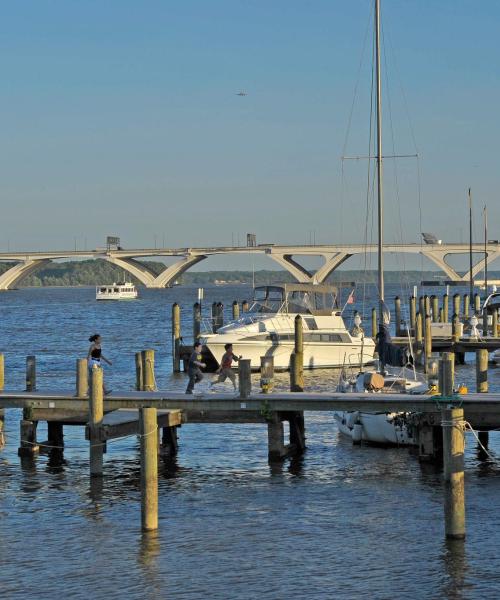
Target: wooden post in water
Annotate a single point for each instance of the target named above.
(139, 375)
(2, 411)
(456, 304)
(96, 413)
(482, 370)
(413, 314)
(245, 377)
(427, 341)
(397, 315)
(244, 306)
(196, 321)
(453, 471)
(494, 323)
(485, 323)
(446, 313)
(455, 326)
(220, 315)
(176, 337)
(419, 339)
(266, 374)
(427, 304)
(31, 374)
(446, 374)
(148, 370)
(374, 323)
(82, 377)
(421, 306)
(441, 315)
(466, 306)
(275, 438)
(297, 358)
(477, 303)
(236, 310)
(148, 429)
(435, 308)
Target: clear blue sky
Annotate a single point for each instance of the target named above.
(122, 117)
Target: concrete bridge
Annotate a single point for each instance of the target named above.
(26, 263)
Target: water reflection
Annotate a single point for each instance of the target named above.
(455, 566)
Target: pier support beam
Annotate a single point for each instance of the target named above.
(168, 444)
(149, 468)
(176, 337)
(453, 453)
(96, 414)
(28, 446)
(275, 438)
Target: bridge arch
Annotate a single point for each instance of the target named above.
(19, 271)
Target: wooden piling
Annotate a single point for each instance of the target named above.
(82, 377)
(466, 305)
(485, 323)
(427, 304)
(446, 314)
(275, 438)
(453, 472)
(244, 306)
(236, 310)
(245, 377)
(441, 315)
(456, 304)
(176, 337)
(446, 374)
(455, 328)
(477, 303)
(139, 375)
(413, 314)
(96, 413)
(297, 358)
(31, 374)
(427, 341)
(148, 430)
(397, 315)
(148, 370)
(214, 317)
(494, 323)
(421, 306)
(419, 336)
(266, 374)
(220, 315)
(482, 370)
(197, 321)
(28, 445)
(434, 308)
(374, 323)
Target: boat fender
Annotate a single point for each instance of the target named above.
(373, 381)
(357, 434)
(352, 419)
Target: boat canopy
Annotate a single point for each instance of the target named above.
(302, 298)
(492, 302)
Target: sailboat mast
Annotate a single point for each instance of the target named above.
(485, 252)
(379, 166)
(471, 276)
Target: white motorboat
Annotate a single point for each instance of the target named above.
(267, 329)
(117, 291)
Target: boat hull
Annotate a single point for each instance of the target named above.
(385, 429)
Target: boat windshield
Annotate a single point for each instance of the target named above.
(294, 299)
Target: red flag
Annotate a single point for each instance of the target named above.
(350, 299)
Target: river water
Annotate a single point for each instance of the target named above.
(340, 522)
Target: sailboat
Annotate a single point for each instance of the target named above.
(395, 371)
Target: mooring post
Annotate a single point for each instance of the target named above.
(214, 317)
(446, 315)
(55, 435)
(28, 446)
(421, 306)
(244, 306)
(455, 328)
(297, 358)
(456, 304)
(31, 374)
(2, 411)
(148, 429)
(220, 315)
(397, 315)
(96, 413)
(245, 377)
(427, 341)
(139, 375)
(148, 370)
(427, 304)
(466, 306)
(82, 378)
(275, 438)
(374, 323)
(197, 321)
(494, 323)
(413, 314)
(176, 337)
(485, 323)
(482, 370)
(419, 339)
(236, 310)
(266, 374)
(477, 303)
(446, 374)
(452, 421)
(435, 308)
(441, 315)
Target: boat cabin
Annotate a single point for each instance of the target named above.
(300, 298)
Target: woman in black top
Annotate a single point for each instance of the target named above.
(95, 355)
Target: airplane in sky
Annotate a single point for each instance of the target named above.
(242, 93)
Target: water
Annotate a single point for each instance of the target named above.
(340, 522)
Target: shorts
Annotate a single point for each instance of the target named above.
(225, 373)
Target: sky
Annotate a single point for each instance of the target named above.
(122, 117)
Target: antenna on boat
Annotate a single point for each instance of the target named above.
(379, 167)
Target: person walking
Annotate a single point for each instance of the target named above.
(225, 371)
(95, 356)
(194, 372)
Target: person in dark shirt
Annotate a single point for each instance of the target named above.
(225, 370)
(194, 372)
(95, 356)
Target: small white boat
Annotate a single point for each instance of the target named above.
(117, 291)
(268, 329)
